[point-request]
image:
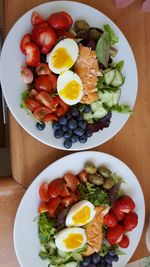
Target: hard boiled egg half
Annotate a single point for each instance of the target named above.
(69, 87)
(80, 214)
(63, 56)
(70, 239)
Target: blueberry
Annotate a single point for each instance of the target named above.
(74, 138)
(96, 258)
(58, 133)
(102, 260)
(89, 133)
(86, 261)
(74, 111)
(72, 124)
(83, 139)
(81, 264)
(80, 117)
(109, 265)
(111, 252)
(108, 259)
(87, 109)
(68, 144)
(67, 135)
(56, 125)
(82, 124)
(65, 128)
(115, 258)
(78, 131)
(40, 126)
(63, 120)
(68, 116)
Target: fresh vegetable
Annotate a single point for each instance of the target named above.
(43, 83)
(27, 75)
(43, 207)
(53, 204)
(55, 187)
(113, 37)
(43, 192)
(31, 104)
(42, 69)
(71, 181)
(81, 25)
(103, 48)
(40, 112)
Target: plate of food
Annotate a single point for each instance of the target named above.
(68, 75)
(85, 209)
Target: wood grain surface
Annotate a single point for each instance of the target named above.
(131, 144)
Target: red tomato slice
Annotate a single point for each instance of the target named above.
(33, 93)
(43, 207)
(43, 192)
(50, 118)
(45, 99)
(65, 192)
(83, 176)
(43, 83)
(31, 104)
(55, 187)
(53, 79)
(43, 69)
(67, 201)
(53, 204)
(40, 112)
(72, 181)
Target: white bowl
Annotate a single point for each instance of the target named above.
(26, 241)
(12, 83)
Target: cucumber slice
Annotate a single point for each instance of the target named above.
(95, 106)
(109, 76)
(100, 112)
(118, 79)
(62, 253)
(88, 116)
(109, 98)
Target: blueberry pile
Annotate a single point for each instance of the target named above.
(95, 260)
(72, 127)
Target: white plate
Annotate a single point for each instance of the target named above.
(25, 230)
(12, 83)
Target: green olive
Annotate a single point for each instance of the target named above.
(81, 25)
(108, 183)
(105, 172)
(96, 179)
(90, 168)
(94, 34)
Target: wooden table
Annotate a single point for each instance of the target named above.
(131, 144)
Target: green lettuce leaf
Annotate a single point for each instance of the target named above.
(122, 108)
(103, 48)
(120, 65)
(113, 37)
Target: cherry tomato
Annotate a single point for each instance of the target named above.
(53, 79)
(67, 201)
(43, 192)
(55, 187)
(61, 107)
(43, 83)
(43, 69)
(45, 99)
(50, 118)
(53, 204)
(40, 112)
(33, 93)
(83, 176)
(32, 104)
(65, 192)
(43, 207)
(71, 181)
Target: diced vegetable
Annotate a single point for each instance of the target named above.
(118, 79)
(109, 76)
(109, 98)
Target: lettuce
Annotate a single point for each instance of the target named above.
(113, 37)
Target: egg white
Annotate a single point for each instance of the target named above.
(63, 80)
(62, 235)
(72, 49)
(75, 209)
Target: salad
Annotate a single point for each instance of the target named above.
(73, 81)
(84, 219)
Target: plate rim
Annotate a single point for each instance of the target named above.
(20, 122)
(39, 177)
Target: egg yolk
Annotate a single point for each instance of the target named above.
(82, 216)
(61, 59)
(73, 241)
(71, 91)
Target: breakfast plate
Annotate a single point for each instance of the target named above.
(26, 242)
(12, 83)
